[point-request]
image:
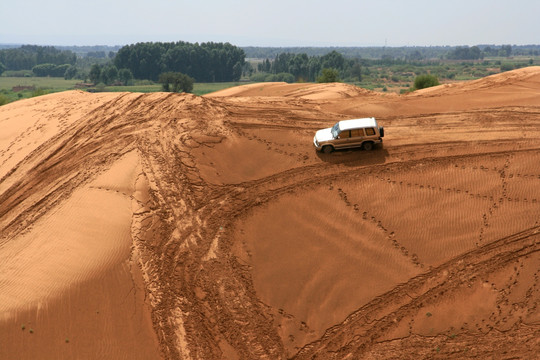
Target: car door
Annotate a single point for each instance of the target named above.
(357, 137)
(342, 140)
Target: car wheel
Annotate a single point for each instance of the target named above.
(327, 149)
(367, 146)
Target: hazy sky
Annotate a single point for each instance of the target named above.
(272, 22)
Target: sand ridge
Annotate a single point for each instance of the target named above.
(181, 227)
(308, 91)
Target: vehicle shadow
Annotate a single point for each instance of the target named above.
(355, 157)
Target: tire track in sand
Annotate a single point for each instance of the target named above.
(362, 329)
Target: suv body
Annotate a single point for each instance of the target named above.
(364, 133)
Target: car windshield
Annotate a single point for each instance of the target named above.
(335, 131)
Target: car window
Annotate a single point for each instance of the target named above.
(357, 132)
(345, 134)
(335, 130)
(370, 131)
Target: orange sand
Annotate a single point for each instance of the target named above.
(170, 226)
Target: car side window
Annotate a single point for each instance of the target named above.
(357, 132)
(345, 134)
(370, 131)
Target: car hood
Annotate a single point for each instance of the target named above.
(324, 135)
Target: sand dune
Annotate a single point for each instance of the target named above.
(309, 91)
(170, 226)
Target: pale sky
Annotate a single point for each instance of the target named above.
(272, 22)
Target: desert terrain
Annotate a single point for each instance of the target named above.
(171, 226)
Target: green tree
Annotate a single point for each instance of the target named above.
(28, 56)
(165, 79)
(258, 77)
(95, 74)
(125, 76)
(183, 83)
(285, 77)
(237, 71)
(425, 80)
(281, 63)
(175, 82)
(506, 50)
(265, 66)
(50, 70)
(247, 69)
(314, 68)
(507, 67)
(39, 92)
(356, 70)
(333, 60)
(204, 62)
(465, 53)
(298, 66)
(70, 73)
(2, 68)
(3, 100)
(328, 75)
(43, 70)
(109, 74)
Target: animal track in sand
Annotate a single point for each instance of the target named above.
(389, 235)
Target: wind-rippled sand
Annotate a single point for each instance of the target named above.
(170, 226)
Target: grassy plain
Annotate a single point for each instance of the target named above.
(59, 84)
(15, 88)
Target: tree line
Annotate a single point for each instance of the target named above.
(28, 56)
(205, 62)
(109, 75)
(293, 66)
(477, 53)
(302, 67)
(407, 53)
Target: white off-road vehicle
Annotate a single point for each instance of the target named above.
(364, 133)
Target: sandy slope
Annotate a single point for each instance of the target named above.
(171, 226)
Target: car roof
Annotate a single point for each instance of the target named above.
(357, 123)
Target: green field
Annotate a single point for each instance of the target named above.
(59, 84)
(16, 88)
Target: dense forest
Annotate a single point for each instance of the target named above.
(28, 56)
(205, 62)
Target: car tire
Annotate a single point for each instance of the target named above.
(327, 149)
(368, 146)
